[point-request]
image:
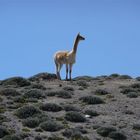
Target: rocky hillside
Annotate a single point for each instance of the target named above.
(87, 108)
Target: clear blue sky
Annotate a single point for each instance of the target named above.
(31, 31)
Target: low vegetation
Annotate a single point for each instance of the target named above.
(74, 116)
(16, 81)
(101, 92)
(82, 83)
(91, 113)
(132, 95)
(117, 135)
(136, 126)
(70, 108)
(3, 131)
(51, 126)
(51, 107)
(9, 92)
(125, 77)
(55, 137)
(11, 137)
(62, 94)
(68, 88)
(31, 122)
(105, 130)
(92, 100)
(71, 132)
(27, 111)
(34, 93)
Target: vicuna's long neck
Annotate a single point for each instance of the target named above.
(74, 50)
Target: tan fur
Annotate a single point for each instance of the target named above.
(61, 57)
(66, 57)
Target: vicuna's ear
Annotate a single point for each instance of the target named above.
(79, 33)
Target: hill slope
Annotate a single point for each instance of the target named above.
(42, 107)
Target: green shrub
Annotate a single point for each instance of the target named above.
(73, 131)
(92, 100)
(102, 77)
(138, 78)
(38, 138)
(34, 93)
(135, 85)
(19, 99)
(2, 109)
(38, 86)
(80, 129)
(3, 119)
(101, 92)
(62, 94)
(51, 93)
(126, 90)
(26, 130)
(3, 131)
(42, 117)
(129, 112)
(86, 78)
(43, 76)
(70, 108)
(79, 137)
(105, 131)
(11, 137)
(32, 100)
(16, 81)
(68, 88)
(82, 83)
(27, 111)
(91, 113)
(136, 126)
(31, 122)
(23, 135)
(14, 106)
(68, 133)
(38, 129)
(51, 107)
(125, 77)
(51, 126)
(74, 116)
(117, 136)
(95, 126)
(54, 137)
(9, 92)
(132, 95)
(114, 75)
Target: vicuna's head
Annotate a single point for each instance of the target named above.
(80, 37)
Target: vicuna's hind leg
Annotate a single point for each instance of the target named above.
(58, 70)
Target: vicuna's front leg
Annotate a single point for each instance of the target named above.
(70, 71)
(66, 71)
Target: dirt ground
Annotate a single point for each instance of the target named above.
(86, 108)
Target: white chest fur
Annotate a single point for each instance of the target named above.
(71, 57)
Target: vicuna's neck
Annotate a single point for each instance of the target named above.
(74, 50)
